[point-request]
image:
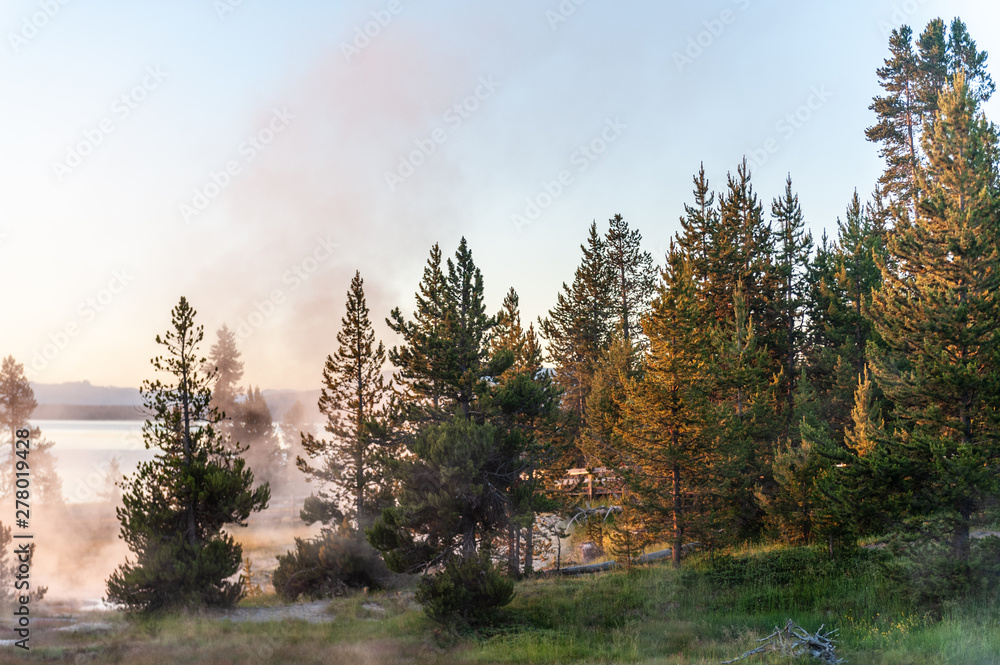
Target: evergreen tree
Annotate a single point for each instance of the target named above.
(175, 506)
(698, 226)
(745, 415)
(419, 360)
(224, 360)
(913, 80)
(357, 402)
(444, 356)
(633, 277)
(794, 245)
(17, 404)
(899, 118)
(742, 250)
(452, 495)
(665, 459)
(576, 330)
(252, 430)
(938, 314)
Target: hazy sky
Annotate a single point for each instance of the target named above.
(252, 154)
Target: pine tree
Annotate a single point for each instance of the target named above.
(963, 56)
(419, 360)
(899, 119)
(357, 402)
(794, 245)
(578, 327)
(665, 459)
(224, 360)
(633, 277)
(17, 404)
(745, 416)
(913, 80)
(698, 227)
(938, 314)
(444, 356)
(252, 430)
(452, 495)
(742, 250)
(175, 506)
(467, 334)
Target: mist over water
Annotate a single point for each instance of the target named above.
(78, 543)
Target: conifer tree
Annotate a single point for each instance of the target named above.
(452, 495)
(633, 277)
(444, 356)
(938, 314)
(577, 328)
(794, 245)
(665, 458)
(175, 506)
(252, 430)
(224, 359)
(746, 416)
(419, 360)
(742, 250)
(17, 404)
(913, 80)
(698, 226)
(899, 118)
(357, 402)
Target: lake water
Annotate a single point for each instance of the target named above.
(84, 449)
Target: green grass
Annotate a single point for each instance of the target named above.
(706, 612)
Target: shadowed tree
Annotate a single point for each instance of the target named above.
(175, 507)
(357, 402)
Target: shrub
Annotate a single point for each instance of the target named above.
(465, 592)
(328, 565)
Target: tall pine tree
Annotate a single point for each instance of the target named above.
(938, 314)
(357, 402)
(175, 506)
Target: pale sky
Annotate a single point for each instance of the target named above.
(252, 154)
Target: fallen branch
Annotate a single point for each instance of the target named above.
(794, 640)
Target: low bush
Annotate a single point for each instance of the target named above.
(328, 565)
(466, 592)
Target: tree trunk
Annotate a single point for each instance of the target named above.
(678, 527)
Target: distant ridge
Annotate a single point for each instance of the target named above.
(81, 400)
(83, 392)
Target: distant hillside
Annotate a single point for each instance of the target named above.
(80, 400)
(83, 392)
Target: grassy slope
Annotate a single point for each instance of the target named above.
(700, 614)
